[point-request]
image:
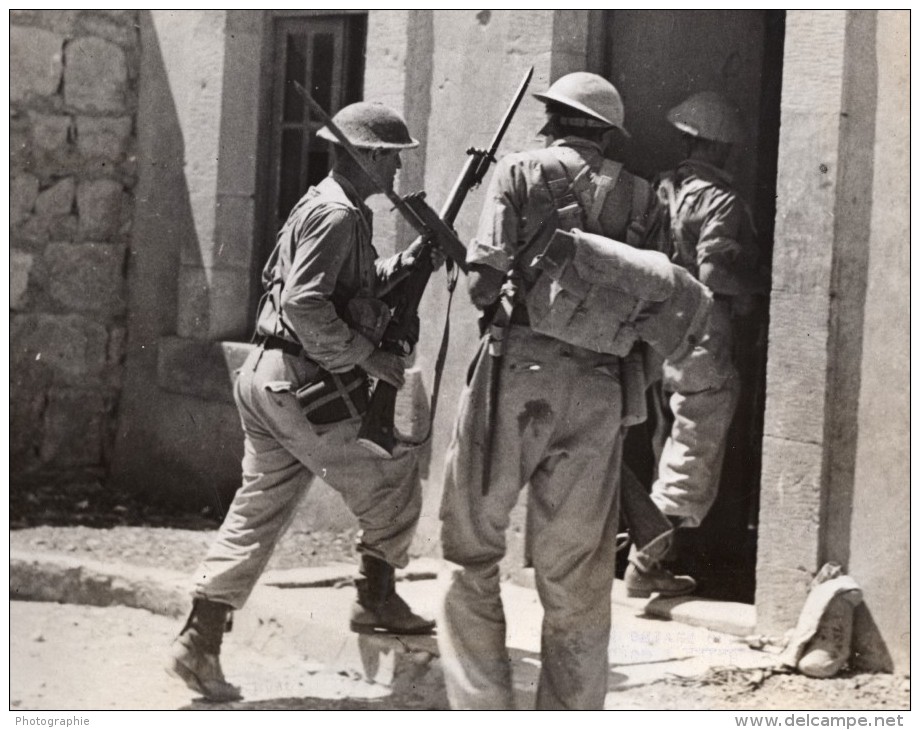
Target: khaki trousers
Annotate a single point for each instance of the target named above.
(558, 429)
(704, 393)
(283, 453)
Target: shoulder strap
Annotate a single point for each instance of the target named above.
(561, 190)
(606, 180)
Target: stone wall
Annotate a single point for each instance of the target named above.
(73, 79)
(835, 481)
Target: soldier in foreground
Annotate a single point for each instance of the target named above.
(553, 411)
(705, 227)
(319, 326)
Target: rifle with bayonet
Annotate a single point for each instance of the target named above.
(377, 431)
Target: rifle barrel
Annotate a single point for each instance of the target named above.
(478, 162)
(509, 115)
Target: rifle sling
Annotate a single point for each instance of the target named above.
(442, 350)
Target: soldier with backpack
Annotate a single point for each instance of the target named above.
(541, 409)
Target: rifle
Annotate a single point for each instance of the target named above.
(376, 431)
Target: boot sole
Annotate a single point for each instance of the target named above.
(180, 671)
(367, 630)
(640, 593)
(634, 593)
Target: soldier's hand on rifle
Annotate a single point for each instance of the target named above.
(385, 366)
(438, 257)
(419, 247)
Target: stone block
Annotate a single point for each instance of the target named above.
(96, 76)
(59, 21)
(99, 203)
(202, 369)
(808, 162)
(50, 132)
(115, 353)
(56, 200)
(813, 60)
(26, 406)
(36, 62)
(23, 192)
(63, 349)
(20, 148)
(213, 303)
(63, 228)
(74, 425)
(788, 546)
(20, 266)
(117, 30)
(103, 137)
(125, 17)
(34, 230)
(126, 213)
(86, 277)
(797, 367)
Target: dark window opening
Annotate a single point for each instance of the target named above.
(325, 54)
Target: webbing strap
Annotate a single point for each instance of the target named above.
(605, 182)
(562, 190)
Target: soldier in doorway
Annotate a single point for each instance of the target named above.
(318, 327)
(704, 226)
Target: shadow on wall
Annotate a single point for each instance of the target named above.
(161, 433)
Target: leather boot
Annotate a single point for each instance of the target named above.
(646, 574)
(829, 649)
(643, 582)
(195, 657)
(378, 609)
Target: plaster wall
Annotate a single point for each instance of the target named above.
(480, 59)
(173, 444)
(880, 531)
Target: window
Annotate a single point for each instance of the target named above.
(325, 54)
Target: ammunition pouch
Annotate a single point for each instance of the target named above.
(369, 316)
(604, 295)
(335, 397)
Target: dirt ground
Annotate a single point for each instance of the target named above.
(42, 631)
(65, 657)
(732, 689)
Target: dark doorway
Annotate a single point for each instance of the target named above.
(656, 59)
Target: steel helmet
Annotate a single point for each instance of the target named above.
(589, 94)
(370, 125)
(708, 115)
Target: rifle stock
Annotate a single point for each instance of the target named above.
(377, 429)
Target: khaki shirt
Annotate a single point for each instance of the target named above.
(711, 229)
(519, 207)
(323, 259)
